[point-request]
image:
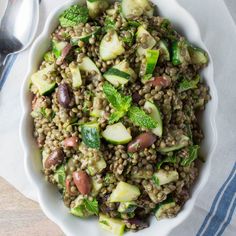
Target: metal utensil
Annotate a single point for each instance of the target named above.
(17, 28)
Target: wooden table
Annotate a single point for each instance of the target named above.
(20, 216)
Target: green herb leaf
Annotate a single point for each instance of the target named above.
(192, 155)
(104, 222)
(115, 116)
(186, 84)
(156, 180)
(140, 118)
(118, 101)
(60, 176)
(91, 206)
(129, 37)
(109, 24)
(169, 159)
(74, 15)
(49, 57)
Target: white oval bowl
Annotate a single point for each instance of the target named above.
(48, 196)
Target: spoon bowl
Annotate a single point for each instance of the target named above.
(17, 28)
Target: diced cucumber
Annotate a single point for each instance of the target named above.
(127, 207)
(164, 50)
(117, 134)
(180, 53)
(115, 226)
(181, 143)
(96, 186)
(76, 76)
(198, 56)
(97, 167)
(57, 47)
(150, 64)
(85, 37)
(119, 74)
(90, 135)
(87, 65)
(151, 60)
(156, 115)
(117, 77)
(151, 42)
(124, 192)
(44, 87)
(96, 112)
(111, 46)
(162, 177)
(96, 7)
(132, 8)
(163, 207)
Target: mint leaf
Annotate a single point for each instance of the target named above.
(140, 118)
(109, 24)
(115, 116)
(60, 176)
(170, 159)
(74, 15)
(118, 101)
(186, 84)
(91, 206)
(192, 155)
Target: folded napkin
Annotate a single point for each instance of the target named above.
(213, 213)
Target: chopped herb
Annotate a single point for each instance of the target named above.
(192, 155)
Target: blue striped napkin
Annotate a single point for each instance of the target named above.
(214, 211)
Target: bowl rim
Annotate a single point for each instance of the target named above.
(44, 34)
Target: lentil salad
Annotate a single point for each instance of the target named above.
(115, 107)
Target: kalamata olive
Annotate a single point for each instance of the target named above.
(140, 224)
(136, 97)
(55, 158)
(64, 95)
(141, 142)
(71, 142)
(161, 81)
(82, 181)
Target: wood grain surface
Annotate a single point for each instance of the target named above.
(20, 216)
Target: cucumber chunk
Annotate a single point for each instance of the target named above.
(96, 7)
(164, 50)
(90, 135)
(117, 134)
(162, 177)
(120, 74)
(96, 186)
(181, 143)
(180, 53)
(132, 8)
(163, 207)
(76, 76)
(156, 115)
(115, 226)
(124, 192)
(198, 56)
(151, 42)
(60, 177)
(44, 87)
(150, 64)
(98, 167)
(127, 207)
(112, 48)
(57, 47)
(88, 65)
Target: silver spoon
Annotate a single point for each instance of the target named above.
(17, 28)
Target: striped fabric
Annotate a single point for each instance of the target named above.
(222, 208)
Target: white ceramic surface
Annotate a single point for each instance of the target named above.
(48, 196)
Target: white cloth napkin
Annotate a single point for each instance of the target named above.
(213, 213)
